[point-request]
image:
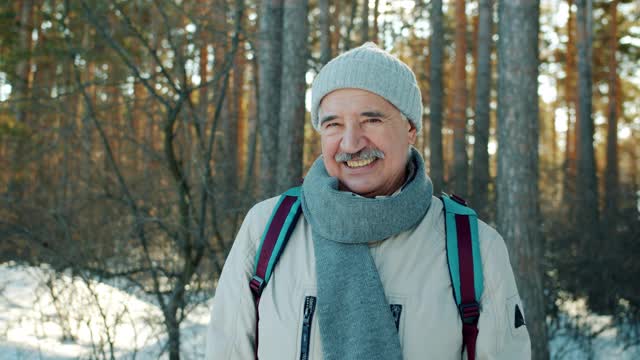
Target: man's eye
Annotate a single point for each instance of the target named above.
(373, 120)
(330, 125)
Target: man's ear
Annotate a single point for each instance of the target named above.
(413, 133)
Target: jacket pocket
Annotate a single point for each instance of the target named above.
(307, 318)
(396, 312)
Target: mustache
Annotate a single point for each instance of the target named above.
(364, 154)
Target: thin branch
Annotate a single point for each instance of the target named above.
(151, 50)
(180, 59)
(111, 160)
(101, 28)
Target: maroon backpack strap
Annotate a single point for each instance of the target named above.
(469, 307)
(465, 266)
(277, 232)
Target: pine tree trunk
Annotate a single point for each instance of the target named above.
(586, 182)
(21, 91)
(269, 65)
(376, 15)
(226, 130)
(568, 186)
(203, 92)
(352, 20)
(365, 21)
(553, 135)
(203, 101)
(252, 136)
(335, 19)
(436, 97)
(230, 143)
(292, 110)
(238, 110)
(518, 215)
(472, 49)
(23, 66)
(459, 111)
(611, 172)
(482, 121)
(325, 34)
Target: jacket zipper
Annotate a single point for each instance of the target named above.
(309, 309)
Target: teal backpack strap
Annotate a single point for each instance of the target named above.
(465, 266)
(282, 222)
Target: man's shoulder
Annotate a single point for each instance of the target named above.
(432, 223)
(263, 206)
(492, 245)
(488, 236)
(495, 256)
(487, 233)
(260, 212)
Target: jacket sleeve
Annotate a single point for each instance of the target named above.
(507, 338)
(231, 329)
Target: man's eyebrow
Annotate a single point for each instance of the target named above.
(376, 114)
(324, 119)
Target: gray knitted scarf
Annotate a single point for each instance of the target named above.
(355, 320)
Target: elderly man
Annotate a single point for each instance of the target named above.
(365, 273)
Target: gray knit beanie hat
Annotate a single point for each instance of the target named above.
(370, 68)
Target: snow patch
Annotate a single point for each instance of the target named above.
(48, 315)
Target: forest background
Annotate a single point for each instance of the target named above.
(135, 135)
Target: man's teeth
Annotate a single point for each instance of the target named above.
(359, 163)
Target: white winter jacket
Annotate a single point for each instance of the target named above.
(414, 273)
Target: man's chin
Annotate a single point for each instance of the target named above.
(359, 189)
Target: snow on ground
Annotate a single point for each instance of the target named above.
(565, 346)
(44, 315)
(49, 316)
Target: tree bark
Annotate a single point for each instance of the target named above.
(611, 173)
(376, 15)
(325, 33)
(230, 144)
(203, 101)
(269, 61)
(226, 135)
(352, 20)
(517, 184)
(586, 182)
(173, 329)
(335, 19)
(365, 21)
(459, 111)
(239, 113)
(483, 95)
(292, 95)
(569, 167)
(253, 130)
(23, 66)
(436, 97)
(21, 91)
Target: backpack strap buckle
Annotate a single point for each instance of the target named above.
(257, 285)
(469, 312)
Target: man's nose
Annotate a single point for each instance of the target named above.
(353, 139)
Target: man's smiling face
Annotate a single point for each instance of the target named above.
(365, 141)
